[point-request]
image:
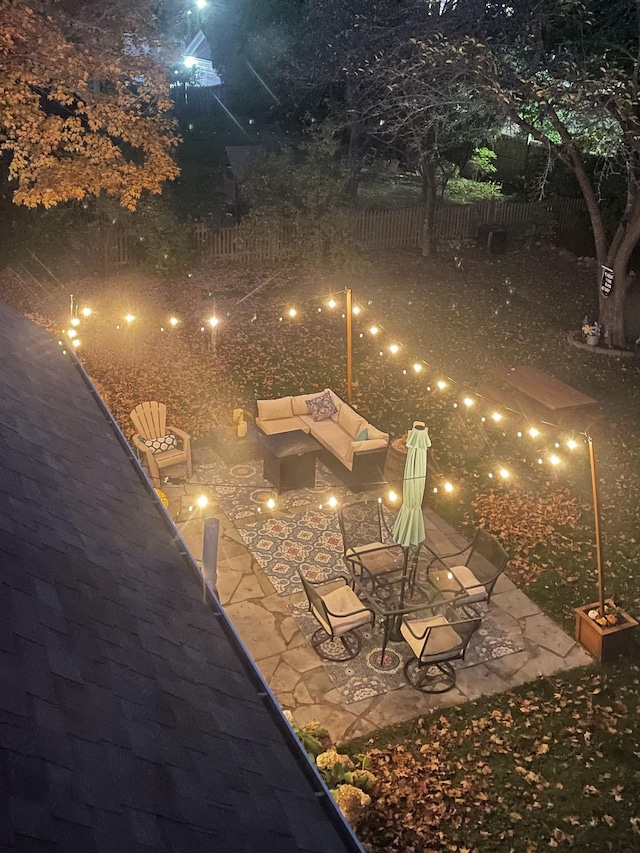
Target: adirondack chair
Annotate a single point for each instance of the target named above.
(150, 419)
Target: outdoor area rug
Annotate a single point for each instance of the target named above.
(364, 676)
(243, 491)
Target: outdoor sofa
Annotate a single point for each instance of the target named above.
(352, 448)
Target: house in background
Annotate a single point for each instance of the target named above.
(132, 718)
(197, 86)
(197, 59)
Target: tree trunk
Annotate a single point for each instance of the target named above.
(428, 175)
(612, 308)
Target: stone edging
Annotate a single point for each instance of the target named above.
(612, 353)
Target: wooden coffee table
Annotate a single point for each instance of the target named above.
(290, 460)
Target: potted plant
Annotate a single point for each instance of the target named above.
(591, 332)
(607, 635)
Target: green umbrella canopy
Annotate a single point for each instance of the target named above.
(409, 527)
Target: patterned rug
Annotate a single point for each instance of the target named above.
(364, 676)
(243, 492)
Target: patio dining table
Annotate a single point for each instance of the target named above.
(392, 596)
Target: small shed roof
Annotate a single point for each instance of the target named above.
(131, 717)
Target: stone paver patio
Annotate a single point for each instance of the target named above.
(296, 674)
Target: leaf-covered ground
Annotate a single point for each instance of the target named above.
(463, 323)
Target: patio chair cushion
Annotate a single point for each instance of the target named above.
(333, 437)
(377, 557)
(299, 403)
(159, 445)
(271, 410)
(440, 642)
(456, 580)
(342, 600)
(322, 408)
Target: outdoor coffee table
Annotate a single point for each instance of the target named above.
(290, 460)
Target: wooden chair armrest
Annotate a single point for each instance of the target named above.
(180, 432)
(140, 445)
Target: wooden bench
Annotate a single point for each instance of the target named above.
(537, 394)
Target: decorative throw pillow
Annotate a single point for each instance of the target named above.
(158, 445)
(322, 408)
(363, 436)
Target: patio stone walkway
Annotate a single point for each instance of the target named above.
(296, 674)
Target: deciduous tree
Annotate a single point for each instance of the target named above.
(84, 106)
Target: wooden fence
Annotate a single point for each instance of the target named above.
(372, 229)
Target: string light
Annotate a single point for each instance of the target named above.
(504, 473)
(292, 312)
(72, 333)
(442, 384)
(448, 487)
(271, 504)
(174, 321)
(86, 312)
(332, 303)
(75, 321)
(468, 402)
(417, 367)
(213, 322)
(496, 416)
(129, 318)
(555, 460)
(393, 496)
(394, 348)
(533, 432)
(333, 502)
(357, 309)
(572, 444)
(76, 342)
(374, 330)
(202, 501)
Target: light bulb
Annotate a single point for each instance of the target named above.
(332, 303)
(571, 444)
(357, 309)
(393, 496)
(468, 401)
(394, 348)
(130, 318)
(213, 322)
(417, 367)
(374, 330)
(271, 504)
(76, 342)
(442, 384)
(533, 432)
(72, 333)
(174, 321)
(332, 502)
(86, 312)
(555, 460)
(496, 416)
(202, 501)
(504, 473)
(292, 312)
(75, 322)
(448, 487)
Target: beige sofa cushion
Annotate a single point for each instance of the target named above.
(369, 444)
(333, 437)
(374, 432)
(277, 425)
(350, 421)
(271, 410)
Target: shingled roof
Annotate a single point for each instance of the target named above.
(131, 717)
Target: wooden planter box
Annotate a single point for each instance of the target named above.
(605, 644)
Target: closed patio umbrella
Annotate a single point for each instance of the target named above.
(409, 527)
